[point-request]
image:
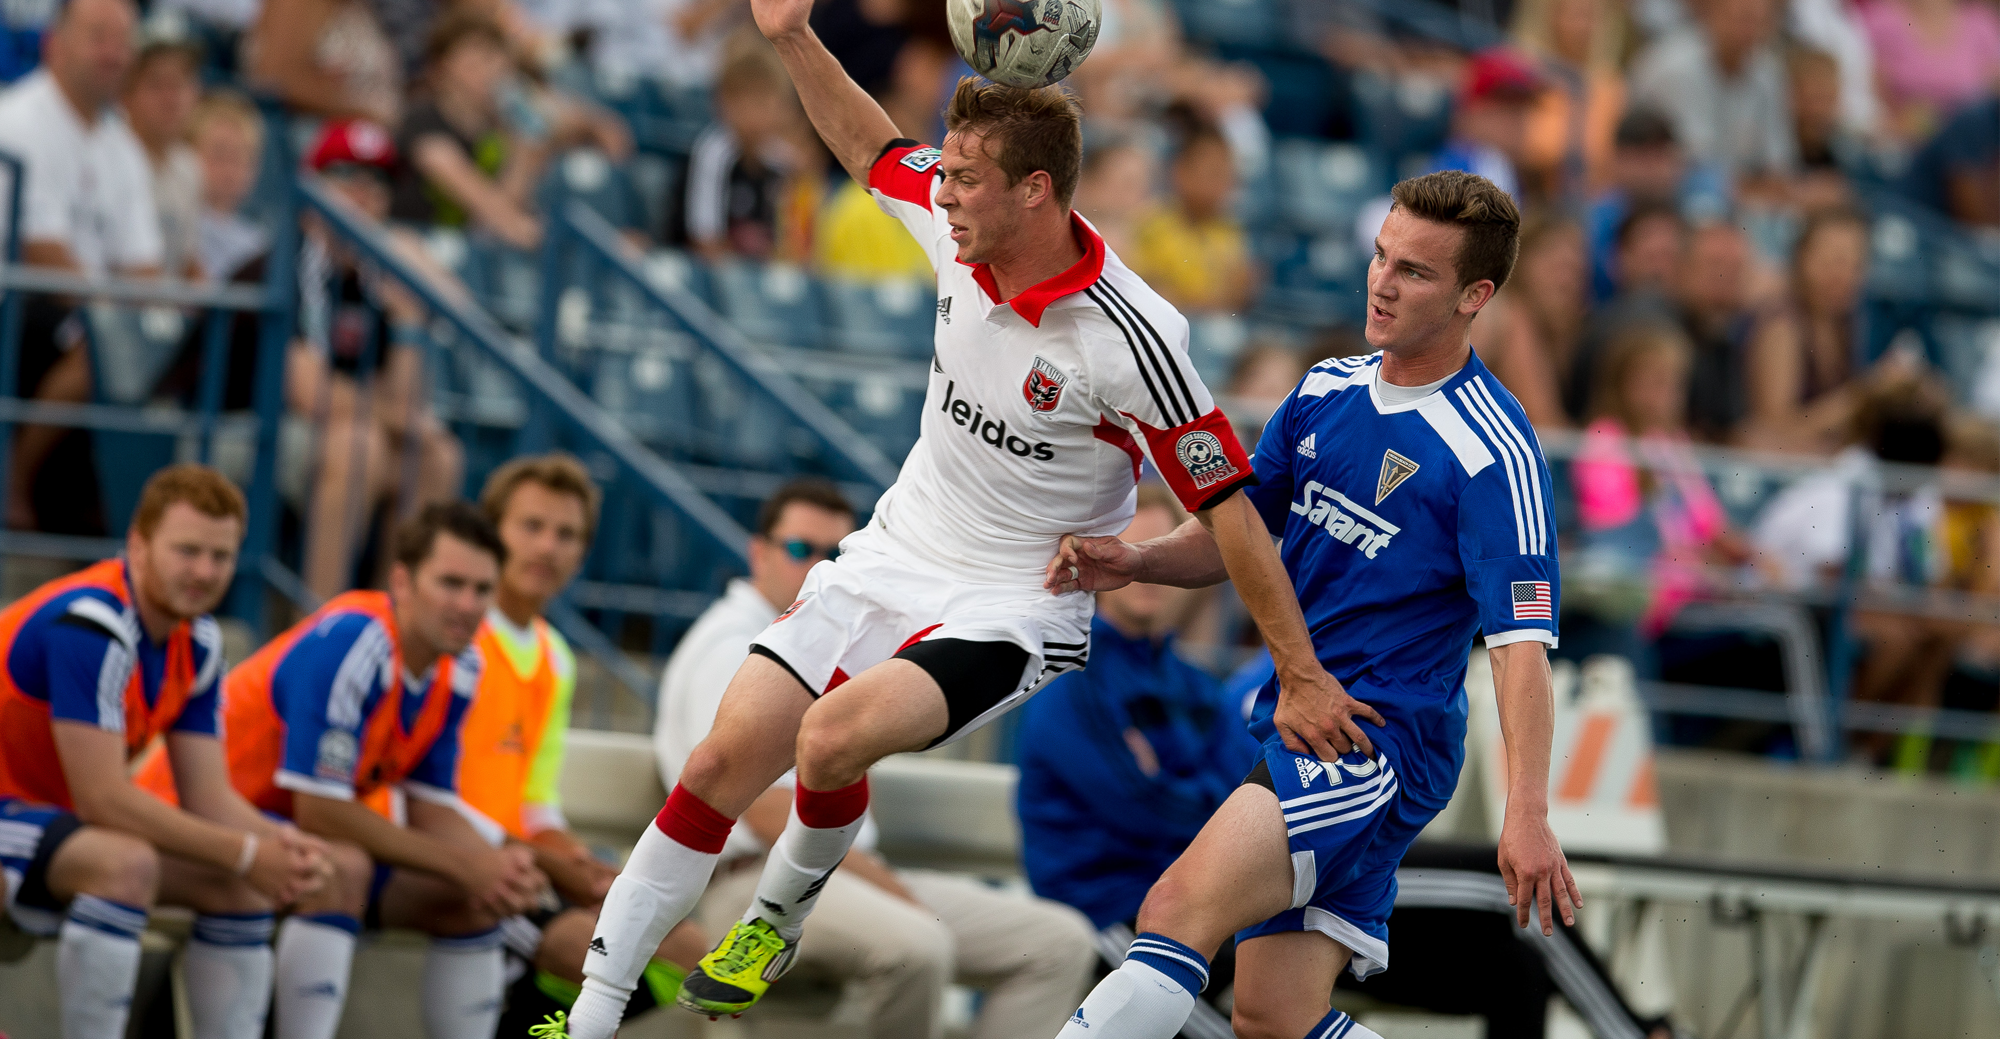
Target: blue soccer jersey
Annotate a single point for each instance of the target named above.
(1407, 528)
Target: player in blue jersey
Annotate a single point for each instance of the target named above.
(1412, 504)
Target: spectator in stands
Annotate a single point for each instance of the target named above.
(1932, 57)
(227, 134)
(327, 58)
(1531, 340)
(898, 937)
(1580, 44)
(1958, 172)
(1712, 294)
(515, 735)
(461, 165)
(1970, 540)
(355, 371)
(1649, 519)
(1646, 256)
(1647, 168)
(1801, 370)
(740, 165)
(1122, 763)
(86, 208)
(1808, 534)
(1489, 122)
(1823, 135)
(1723, 84)
(1192, 249)
(158, 100)
(1116, 191)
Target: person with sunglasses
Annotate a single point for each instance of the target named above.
(898, 937)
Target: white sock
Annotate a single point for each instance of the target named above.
(796, 870)
(463, 983)
(97, 966)
(315, 956)
(1133, 1002)
(660, 885)
(228, 968)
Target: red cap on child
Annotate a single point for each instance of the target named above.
(353, 142)
(1502, 74)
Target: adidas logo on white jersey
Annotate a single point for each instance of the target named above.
(1309, 770)
(1307, 447)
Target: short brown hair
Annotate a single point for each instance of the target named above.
(558, 471)
(206, 490)
(810, 490)
(416, 537)
(457, 27)
(1040, 129)
(1473, 204)
(1629, 346)
(224, 105)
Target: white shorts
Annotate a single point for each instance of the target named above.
(867, 606)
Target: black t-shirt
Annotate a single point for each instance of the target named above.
(416, 200)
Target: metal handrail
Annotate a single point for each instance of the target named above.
(546, 386)
(711, 330)
(166, 291)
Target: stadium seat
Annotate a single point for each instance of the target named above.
(1400, 117)
(130, 348)
(1255, 23)
(589, 176)
(1322, 186)
(894, 316)
(656, 183)
(879, 405)
(1316, 282)
(648, 386)
(776, 303)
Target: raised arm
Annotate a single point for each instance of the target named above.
(848, 120)
(1531, 862)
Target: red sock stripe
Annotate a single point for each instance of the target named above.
(828, 809)
(690, 821)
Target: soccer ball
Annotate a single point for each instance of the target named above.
(1023, 43)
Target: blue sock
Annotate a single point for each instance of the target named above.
(1171, 958)
(1336, 1025)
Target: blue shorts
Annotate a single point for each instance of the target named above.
(30, 833)
(1348, 823)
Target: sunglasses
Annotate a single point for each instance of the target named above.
(801, 550)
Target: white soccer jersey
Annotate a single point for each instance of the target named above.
(1039, 408)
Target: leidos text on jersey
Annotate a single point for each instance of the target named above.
(994, 434)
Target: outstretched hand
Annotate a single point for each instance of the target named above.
(1091, 565)
(1532, 864)
(777, 18)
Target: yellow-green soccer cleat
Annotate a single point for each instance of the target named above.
(736, 975)
(554, 1026)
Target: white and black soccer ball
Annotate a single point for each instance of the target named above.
(1024, 43)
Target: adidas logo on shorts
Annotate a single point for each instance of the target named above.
(1309, 770)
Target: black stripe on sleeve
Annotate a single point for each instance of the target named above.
(1179, 376)
(900, 142)
(1179, 417)
(1132, 341)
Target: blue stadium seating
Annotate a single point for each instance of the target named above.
(130, 347)
(1403, 117)
(1255, 23)
(888, 317)
(589, 176)
(656, 181)
(769, 303)
(1320, 187)
(1316, 282)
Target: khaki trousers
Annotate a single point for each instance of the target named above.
(1031, 957)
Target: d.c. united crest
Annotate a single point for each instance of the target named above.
(1044, 387)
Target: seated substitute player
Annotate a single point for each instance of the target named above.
(1419, 519)
(512, 742)
(370, 691)
(98, 664)
(896, 938)
(1056, 370)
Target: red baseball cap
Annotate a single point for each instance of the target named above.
(353, 142)
(1501, 74)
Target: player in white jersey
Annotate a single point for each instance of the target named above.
(1056, 371)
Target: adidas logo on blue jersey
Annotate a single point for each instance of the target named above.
(1309, 770)
(1308, 448)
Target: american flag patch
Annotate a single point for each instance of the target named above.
(1531, 601)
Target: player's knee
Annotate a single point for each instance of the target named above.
(112, 865)
(833, 743)
(1168, 900)
(1265, 1022)
(346, 891)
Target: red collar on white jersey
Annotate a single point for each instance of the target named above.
(1033, 300)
